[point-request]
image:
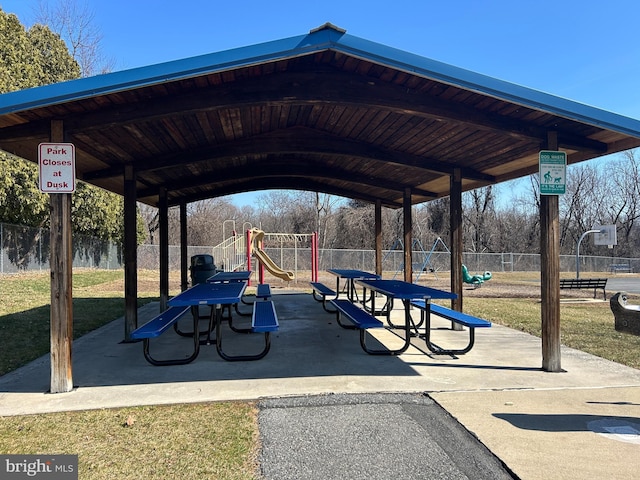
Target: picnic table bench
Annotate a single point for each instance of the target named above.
(361, 320)
(461, 318)
(263, 292)
(160, 324)
(595, 283)
(263, 320)
(320, 293)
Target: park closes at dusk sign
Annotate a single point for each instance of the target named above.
(57, 165)
(553, 172)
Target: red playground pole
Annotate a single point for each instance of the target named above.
(315, 252)
(313, 257)
(261, 265)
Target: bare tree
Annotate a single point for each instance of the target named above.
(479, 216)
(205, 220)
(623, 200)
(75, 23)
(577, 205)
(150, 216)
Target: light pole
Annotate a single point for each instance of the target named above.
(578, 249)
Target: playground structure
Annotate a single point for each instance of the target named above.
(238, 251)
(425, 265)
(256, 238)
(475, 280)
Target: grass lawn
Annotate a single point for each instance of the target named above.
(163, 442)
(584, 326)
(171, 441)
(157, 442)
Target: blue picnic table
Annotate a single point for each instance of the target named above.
(350, 276)
(405, 291)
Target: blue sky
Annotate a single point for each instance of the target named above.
(586, 51)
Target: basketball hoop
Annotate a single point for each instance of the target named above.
(606, 235)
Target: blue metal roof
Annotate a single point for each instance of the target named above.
(327, 37)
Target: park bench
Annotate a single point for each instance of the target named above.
(263, 320)
(620, 267)
(461, 318)
(160, 324)
(595, 283)
(321, 292)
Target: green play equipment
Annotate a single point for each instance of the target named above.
(475, 280)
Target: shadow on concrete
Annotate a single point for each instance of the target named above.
(309, 343)
(564, 422)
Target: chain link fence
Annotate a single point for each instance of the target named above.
(27, 249)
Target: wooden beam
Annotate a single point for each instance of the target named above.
(455, 222)
(295, 141)
(408, 236)
(61, 266)
(378, 236)
(130, 254)
(164, 249)
(291, 168)
(283, 183)
(338, 89)
(550, 275)
(184, 281)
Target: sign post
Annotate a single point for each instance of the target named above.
(57, 172)
(553, 172)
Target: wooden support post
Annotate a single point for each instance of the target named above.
(550, 275)
(184, 281)
(130, 254)
(61, 266)
(378, 235)
(455, 224)
(408, 236)
(163, 223)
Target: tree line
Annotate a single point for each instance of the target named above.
(64, 45)
(495, 219)
(36, 56)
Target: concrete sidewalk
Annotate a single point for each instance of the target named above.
(582, 423)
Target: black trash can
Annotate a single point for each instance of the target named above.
(202, 267)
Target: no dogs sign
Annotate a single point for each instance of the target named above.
(57, 165)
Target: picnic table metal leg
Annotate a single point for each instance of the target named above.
(435, 348)
(242, 314)
(239, 329)
(177, 361)
(214, 321)
(324, 305)
(407, 335)
(235, 358)
(195, 311)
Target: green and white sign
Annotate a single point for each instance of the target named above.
(553, 172)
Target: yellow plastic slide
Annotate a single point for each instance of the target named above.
(264, 259)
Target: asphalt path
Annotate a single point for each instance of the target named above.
(370, 436)
(624, 284)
